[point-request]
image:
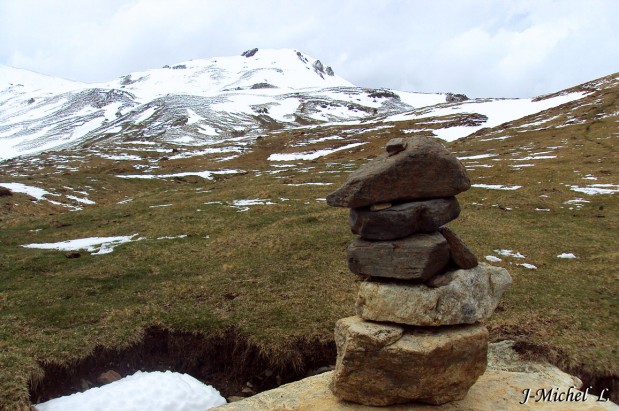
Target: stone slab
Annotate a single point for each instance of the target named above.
(424, 169)
(403, 219)
(417, 257)
(461, 255)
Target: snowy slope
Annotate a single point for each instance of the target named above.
(276, 70)
(238, 98)
(26, 81)
(490, 112)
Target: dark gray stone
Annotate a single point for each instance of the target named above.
(404, 219)
(424, 170)
(461, 255)
(419, 256)
(395, 145)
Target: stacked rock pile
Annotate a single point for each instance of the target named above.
(416, 335)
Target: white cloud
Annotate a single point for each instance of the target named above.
(482, 48)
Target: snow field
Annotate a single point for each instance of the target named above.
(498, 111)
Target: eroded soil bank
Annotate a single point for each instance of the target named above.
(236, 367)
(227, 362)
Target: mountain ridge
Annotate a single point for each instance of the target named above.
(208, 101)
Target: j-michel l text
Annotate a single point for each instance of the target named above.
(562, 395)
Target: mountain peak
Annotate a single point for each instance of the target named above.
(282, 69)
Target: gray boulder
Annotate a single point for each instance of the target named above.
(384, 364)
(403, 219)
(456, 297)
(417, 257)
(424, 169)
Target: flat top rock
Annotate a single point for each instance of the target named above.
(500, 388)
(423, 169)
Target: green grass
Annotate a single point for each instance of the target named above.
(277, 273)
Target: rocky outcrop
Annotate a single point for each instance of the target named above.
(250, 53)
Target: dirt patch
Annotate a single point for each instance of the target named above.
(228, 362)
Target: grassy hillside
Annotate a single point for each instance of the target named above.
(274, 275)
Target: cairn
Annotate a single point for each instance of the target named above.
(416, 335)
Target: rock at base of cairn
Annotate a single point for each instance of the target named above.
(404, 219)
(456, 297)
(417, 257)
(385, 364)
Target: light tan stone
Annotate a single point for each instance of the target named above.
(381, 364)
(456, 297)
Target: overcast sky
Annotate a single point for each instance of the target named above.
(483, 48)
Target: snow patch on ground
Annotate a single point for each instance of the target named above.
(577, 202)
(496, 186)
(594, 189)
(120, 157)
(243, 205)
(566, 255)
(317, 140)
(153, 391)
(214, 150)
(35, 192)
(94, 245)
(477, 157)
(309, 184)
(492, 259)
(81, 200)
(145, 115)
(533, 157)
(312, 155)
(509, 253)
(204, 174)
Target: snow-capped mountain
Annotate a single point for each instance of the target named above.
(279, 70)
(193, 102)
(202, 102)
